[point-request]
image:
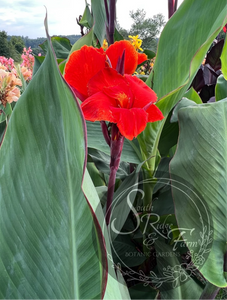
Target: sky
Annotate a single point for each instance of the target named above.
(26, 17)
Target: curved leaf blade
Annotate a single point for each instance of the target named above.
(224, 59)
(99, 14)
(61, 45)
(201, 160)
(47, 247)
(112, 288)
(221, 88)
(183, 44)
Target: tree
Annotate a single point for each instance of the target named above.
(148, 29)
(11, 46)
(4, 45)
(18, 43)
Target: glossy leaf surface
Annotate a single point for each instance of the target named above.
(191, 37)
(47, 249)
(200, 163)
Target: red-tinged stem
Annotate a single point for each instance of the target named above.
(225, 262)
(117, 141)
(112, 14)
(81, 26)
(171, 7)
(105, 132)
(116, 145)
(175, 5)
(107, 11)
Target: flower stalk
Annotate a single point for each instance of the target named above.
(105, 132)
(116, 146)
(110, 17)
(172, 7)
(112, 20)
(117, 141)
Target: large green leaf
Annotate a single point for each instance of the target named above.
(102, 163)
(2, 131)
(122, 246)
(47, 247)
(139, 291)
(130, 152)
(99, 15)
(192, 95)
(224, 60)
(87, 19)
(112, 288)
(123, 201)
(96, 176)
(182, 47)
(201, 166)
(221, 88)
(179, 57)
(181, 104)
(168, 137)
(84, 40)
(122, 286)
(5, 112)
(174, 281)
(38, 62)
(61, 45)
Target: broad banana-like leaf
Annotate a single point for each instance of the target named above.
(221, 88)
(174, 282)
(50, 247)
(200, 164)
(84, 40)
(224, 59)
(99, 15)
(139, 291)
(61, 45)
(182, 47)
(193, 95)
(112, 288)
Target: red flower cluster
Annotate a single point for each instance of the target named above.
(108, 95)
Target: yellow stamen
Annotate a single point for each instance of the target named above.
(105, 44)
(136, 42)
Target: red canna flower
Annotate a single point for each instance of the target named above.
(83, 64)
(225, 28)
(109, 96)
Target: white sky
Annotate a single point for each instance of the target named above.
(24, 17)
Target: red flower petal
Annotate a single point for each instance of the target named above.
(98, 107)
(107, 77)
(154, 113)
(141, 58)
(82, 65)
(131, 56)
(225, 28)
(130, 122)
(121, 94)
(142, 93)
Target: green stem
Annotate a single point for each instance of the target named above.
(149, 153)
(148, 188)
